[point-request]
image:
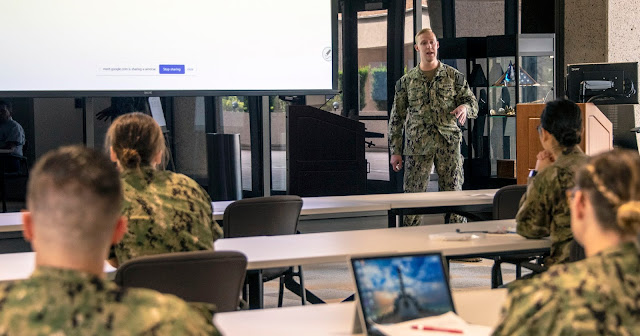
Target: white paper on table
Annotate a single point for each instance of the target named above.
(455, 236)
(448, 321)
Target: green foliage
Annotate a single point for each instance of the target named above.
(277, 105)
(228, 104)
(241, 104)
(363, 75)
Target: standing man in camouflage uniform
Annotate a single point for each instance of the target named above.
(74, 198)
(429, 101)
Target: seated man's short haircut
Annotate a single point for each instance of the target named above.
(74, 196)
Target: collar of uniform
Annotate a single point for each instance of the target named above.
(416, 72)
(65, 275)
(137, 172)
(620, 249)
(442, 68)
(570, 152)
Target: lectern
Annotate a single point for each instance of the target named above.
(325, 155)
(597, 135)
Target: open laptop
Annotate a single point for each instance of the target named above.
(397, 288)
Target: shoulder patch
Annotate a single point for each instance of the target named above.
(398, 85)
(459, 79)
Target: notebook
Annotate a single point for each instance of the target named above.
(397, 288)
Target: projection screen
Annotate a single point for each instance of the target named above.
(162, 47)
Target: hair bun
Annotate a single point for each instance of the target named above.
(130, 158)
(569, 138)
(628, 217)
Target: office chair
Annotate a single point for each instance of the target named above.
(200, 276)
(506, 203)
(22, 172)
(267, 216)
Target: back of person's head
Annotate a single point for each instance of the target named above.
(612, 183)
(74, 196)
(5, 105)
(136, 139)
(5, 109)
(563, 119)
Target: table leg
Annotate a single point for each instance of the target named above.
(394, 219)
(3, 186)
(256, 292)
(391, 219)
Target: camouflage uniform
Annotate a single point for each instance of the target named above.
(422, 109)
(596, 296)
(65, 302)
(544, 210)
(167, 212)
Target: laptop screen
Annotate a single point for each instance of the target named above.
(399, 288)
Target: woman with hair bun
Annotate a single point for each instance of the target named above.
(599, 295)
(544, 210)
(167, 212)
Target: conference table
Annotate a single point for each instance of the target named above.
(464, 202)
(482, 307)
(396, 205)
(314, 248)
(327, 247)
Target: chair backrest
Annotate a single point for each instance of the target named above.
(200, 276)
(262, 216)
(507, 201)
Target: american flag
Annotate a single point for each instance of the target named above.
(508, 78)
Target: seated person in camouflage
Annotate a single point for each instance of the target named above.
(74, 198)
(599, 295)
(167, 212)
(544, 210)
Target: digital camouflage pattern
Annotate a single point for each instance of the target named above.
(66, 302)
(544, 209)
(422, 112)
(448, 162)
(596, 296)
(167, 212)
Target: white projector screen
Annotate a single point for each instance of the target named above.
(162, 47)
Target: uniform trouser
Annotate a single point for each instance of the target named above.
(448, 162)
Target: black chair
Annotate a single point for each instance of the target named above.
(267, 216)
(506, 203)
(8, 171)
(200, 276)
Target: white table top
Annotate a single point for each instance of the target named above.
(314, 248)
(12, 221)
(382, 202)
(16, 266)
(320, 205)
(424, 199)
(477, 307)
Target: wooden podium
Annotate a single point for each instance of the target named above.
(597, 135)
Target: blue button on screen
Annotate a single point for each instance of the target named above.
(172, 68)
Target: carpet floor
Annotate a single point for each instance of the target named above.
(333, 282)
